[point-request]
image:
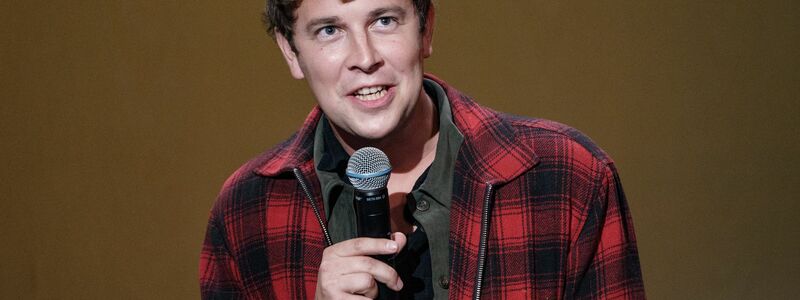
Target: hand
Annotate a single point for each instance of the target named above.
(347, 271)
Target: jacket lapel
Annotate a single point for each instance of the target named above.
(489, 157)
(490, 152)
(296, 151)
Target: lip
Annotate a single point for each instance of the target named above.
(373, 104)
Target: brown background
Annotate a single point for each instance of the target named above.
(120, 120)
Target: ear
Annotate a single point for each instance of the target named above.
(427, 36)
(290, 56)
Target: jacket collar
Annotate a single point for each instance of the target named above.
(296, 152)
(491, 153)
(498, 155)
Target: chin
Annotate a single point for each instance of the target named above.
(373, 134)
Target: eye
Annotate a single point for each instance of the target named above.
(386, 23)
(327, 32)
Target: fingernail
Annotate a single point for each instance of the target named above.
(399, 284)
(391, 245)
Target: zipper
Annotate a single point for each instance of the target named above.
(487, 199)
(307, 191)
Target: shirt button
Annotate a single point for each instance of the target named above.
(444, 282)
(423, 205)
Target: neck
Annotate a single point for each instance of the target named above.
(411, 144)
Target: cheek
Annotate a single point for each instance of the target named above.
(406, 54)
(324, 64)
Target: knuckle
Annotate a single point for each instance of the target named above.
(364, 283)
(369, 264)
(328, 251)
(390, 274)
(329, 285)
(358, 245)
(324, 267)
(368, 281)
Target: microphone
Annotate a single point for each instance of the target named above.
(368, 170)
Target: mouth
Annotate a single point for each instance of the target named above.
(371, 93)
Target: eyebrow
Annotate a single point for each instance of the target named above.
(321, 21)
(391, 9)
(314, 23)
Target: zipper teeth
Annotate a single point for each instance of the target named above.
(302, 180)
(484, 240)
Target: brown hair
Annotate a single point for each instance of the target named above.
(279, 16)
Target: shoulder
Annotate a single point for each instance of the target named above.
(246, 185)
(551, 139)
(569, 164)
(250, 169)
(275, 163)
(543, 136)
(563, 154)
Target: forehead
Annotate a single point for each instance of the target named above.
(312, 9)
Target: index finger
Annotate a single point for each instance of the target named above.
(368, 246)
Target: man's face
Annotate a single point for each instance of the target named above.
(363, 61)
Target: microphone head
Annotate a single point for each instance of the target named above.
(369, 169)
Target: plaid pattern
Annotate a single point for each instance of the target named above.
(559, 225)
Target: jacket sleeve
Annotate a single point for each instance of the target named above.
(603, 261)
(219, 277)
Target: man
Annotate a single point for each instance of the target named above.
(482, 204)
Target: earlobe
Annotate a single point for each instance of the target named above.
(290, 56)
(427, 38)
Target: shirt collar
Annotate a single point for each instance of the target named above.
(330, 158)
(439, 180)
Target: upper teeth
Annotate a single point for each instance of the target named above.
(370, 93)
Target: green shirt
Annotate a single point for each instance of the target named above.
(432, 196)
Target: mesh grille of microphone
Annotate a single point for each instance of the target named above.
(369, 160)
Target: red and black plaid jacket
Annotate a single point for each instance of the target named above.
(537, 212)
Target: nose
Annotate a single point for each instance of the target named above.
(364, 56)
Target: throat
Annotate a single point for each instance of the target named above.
(398, 214)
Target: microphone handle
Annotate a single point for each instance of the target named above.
(372, 211)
